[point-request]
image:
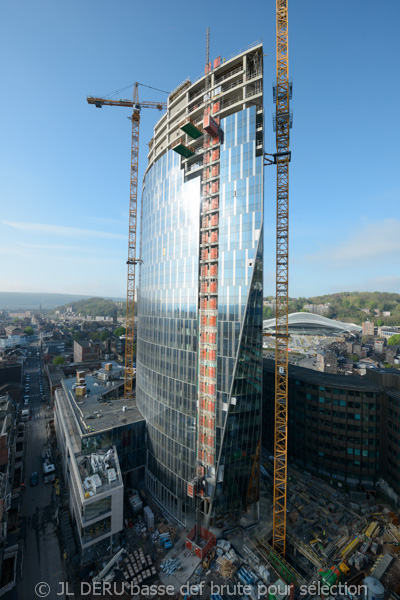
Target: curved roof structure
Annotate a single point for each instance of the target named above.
(312, 324)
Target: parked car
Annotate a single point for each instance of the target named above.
(34, 478)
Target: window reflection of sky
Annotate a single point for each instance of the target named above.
(168, 297)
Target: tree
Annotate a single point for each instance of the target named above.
(16, 321)
(58, 360)
(28, 330)
(77, 336)
(104, 335)
(267, 312)
(394, 340)
(94, 336)
(119, 331)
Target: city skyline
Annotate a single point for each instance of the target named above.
(65, 166)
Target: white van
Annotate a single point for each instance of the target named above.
(25, 414)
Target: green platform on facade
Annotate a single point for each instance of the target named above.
(191, 130)
(183, 151)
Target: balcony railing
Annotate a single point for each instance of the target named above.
(228, 74)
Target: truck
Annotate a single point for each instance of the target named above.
(48, 468)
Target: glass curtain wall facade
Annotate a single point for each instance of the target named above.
(168, 330)
(239, 370)
(166, 376)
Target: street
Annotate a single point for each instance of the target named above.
(42, 559)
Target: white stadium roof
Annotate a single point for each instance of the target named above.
(312, 324)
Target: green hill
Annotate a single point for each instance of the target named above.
(95, 307)
(352, 306)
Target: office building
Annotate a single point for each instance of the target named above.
(101, 438)
(343, 427)
(199, 349)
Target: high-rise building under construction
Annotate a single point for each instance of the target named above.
(199, 342)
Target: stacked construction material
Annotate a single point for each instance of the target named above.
(165, 527)
(137, 567)
(135, 501)
(374, 547)
(148, 517)
(225, 567)
(372, 530)
(381, 565)
(246, 576)
(350, 548)
(169, 566)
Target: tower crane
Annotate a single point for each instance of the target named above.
(282, 124)
(282, 158)
(132, 258)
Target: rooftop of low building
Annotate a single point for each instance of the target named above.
(56, 373)
(349, 382)
(100, 408)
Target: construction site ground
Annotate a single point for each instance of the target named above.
(189, 564)
(326, 526)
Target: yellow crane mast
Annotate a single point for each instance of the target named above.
(132, 259)
(282, 94)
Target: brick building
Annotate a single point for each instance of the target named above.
(86, 351)
(368, 328)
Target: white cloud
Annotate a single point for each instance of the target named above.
(374, 241)
(63, 231)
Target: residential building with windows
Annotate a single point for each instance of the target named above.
(368, 328)
(199, 341)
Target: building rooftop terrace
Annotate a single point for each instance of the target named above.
(102, 408)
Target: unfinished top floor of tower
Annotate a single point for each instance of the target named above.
(229, 85)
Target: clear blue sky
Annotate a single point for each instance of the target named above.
(64, 170)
